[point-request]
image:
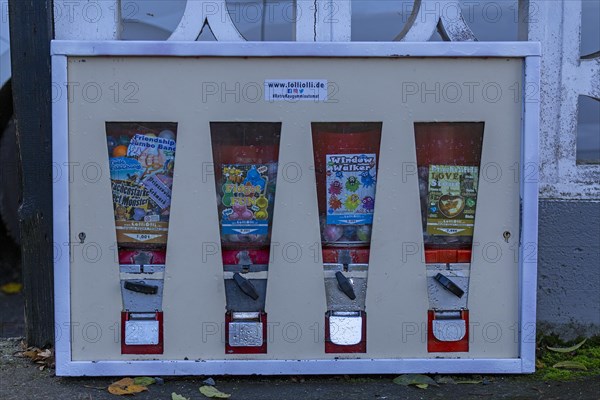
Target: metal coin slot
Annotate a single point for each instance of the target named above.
(244, 260)
(344, 258)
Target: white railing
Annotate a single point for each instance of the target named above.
(554, 23)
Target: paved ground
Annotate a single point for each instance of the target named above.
(21, 379)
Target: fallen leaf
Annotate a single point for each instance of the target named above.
(30, 353)
(125, 386)
(414, 379)
(144, 381)
(570, 365)
(422, 385)
(469, 382)
(566, 349)
(123, 382)
(11, 288)
(175, 396)
(44, 354)
(539, 364)
(211, 391)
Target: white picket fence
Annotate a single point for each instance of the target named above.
(555, 23)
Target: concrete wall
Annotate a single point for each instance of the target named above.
(569, 268)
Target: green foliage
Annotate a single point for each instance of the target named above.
(588, 355)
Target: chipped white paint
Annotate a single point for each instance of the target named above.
(323, 20)
(564, 77)
(427, 16)
(556, 24)
(87, 19)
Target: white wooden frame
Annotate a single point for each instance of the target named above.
(528, 51)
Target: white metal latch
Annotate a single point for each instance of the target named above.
(448, 326)
(245, 330)
(141, 329)
(345, 327)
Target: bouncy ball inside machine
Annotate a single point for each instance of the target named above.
(245, 157)
(346, 157)
(142, 160)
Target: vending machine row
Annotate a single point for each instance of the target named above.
(360, 226)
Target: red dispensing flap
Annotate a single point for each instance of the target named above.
(246, 349)
(437, 346)
(360, 347)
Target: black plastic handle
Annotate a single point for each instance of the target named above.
(245, 286)
(345, 285)
(141, 287)
(449, 285)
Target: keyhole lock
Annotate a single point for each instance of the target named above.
(81, 237)
(506, 236)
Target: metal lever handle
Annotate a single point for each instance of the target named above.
(245, 285)
(345, 285)
(141, 288)
(449, 285)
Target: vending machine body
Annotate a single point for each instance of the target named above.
(333, 208)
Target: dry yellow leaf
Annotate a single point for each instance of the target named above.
(213, 392)
(125, 386)
(30, 353)
(123, 382)
(11, 288)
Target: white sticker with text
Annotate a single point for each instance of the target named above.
(293, 90)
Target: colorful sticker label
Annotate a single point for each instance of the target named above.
(245, 198)
(141, 161)
(350, 183)
(452, 200)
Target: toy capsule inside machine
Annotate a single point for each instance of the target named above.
(448, 156)
(346, 156)
(245, 157)
(141, 159)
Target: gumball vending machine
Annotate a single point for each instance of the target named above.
(346, 156)
(245, 163)
(334, 209)
(448, 156)
(141, 159)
